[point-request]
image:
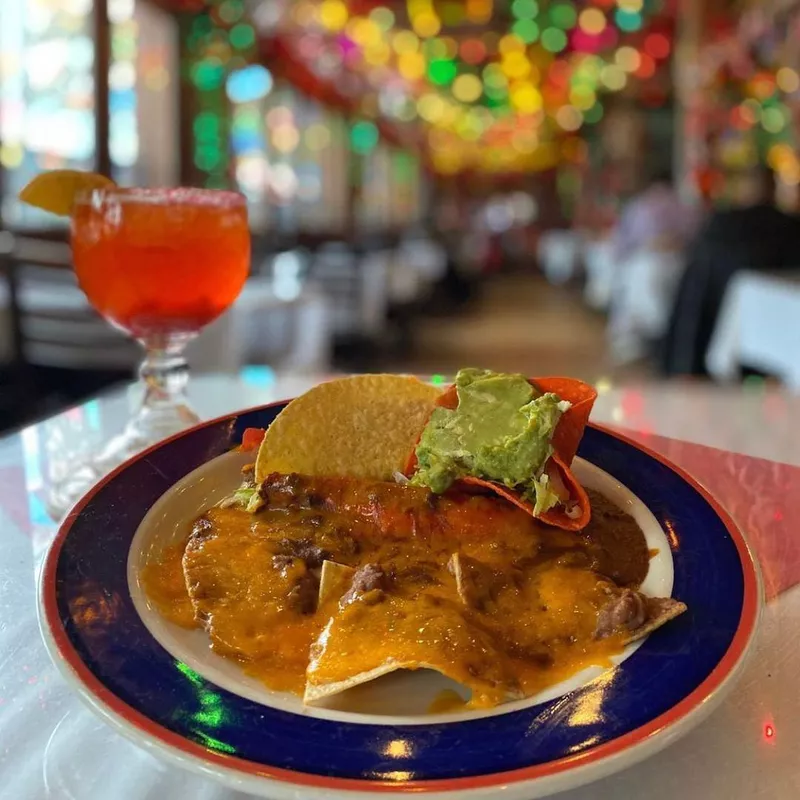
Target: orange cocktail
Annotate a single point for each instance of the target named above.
(161, 263)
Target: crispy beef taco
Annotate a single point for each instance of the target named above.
(510, 435)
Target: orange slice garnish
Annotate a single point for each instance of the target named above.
(57, 191)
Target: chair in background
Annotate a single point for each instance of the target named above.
(57, 326)
(601, 271)
(55, 350)
(63, 342)
(559, 255)
(374, 270)
(290, 333)
(60, 329)
(357, 289)
(758, 327)
(641, 298)
(288, 268)
(427, 257)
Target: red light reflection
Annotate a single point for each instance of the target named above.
(769, 733)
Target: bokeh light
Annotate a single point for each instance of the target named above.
(427, 24)
(431, 107)
(583, 97)
(516, 65)
(405, 42)
(554, 40)
(479, 11)
(364, 137)
(242, 36)
(511, 44)
(496, 86)
(412, 66)
(563, 15)
(442, 71)
(592, 21)
(383, 17)
(525, 9)
(317, 137)
(527, 30)
(762, 85)
(657, 45)
(526, 98)
(646, 68)
(473, 51)
(467, 88)
(285, 138)
(788, 80)
(613, 77)
(628, 58)
(569, 118)
(774, 119)
(628, 21)
(249, 84)
(594, 114)
(333, 14)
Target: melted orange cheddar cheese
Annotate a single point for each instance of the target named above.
(506, 613)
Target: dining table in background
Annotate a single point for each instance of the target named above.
(743, 444)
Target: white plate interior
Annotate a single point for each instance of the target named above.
(398, 698)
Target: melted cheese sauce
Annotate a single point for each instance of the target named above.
(524, 620)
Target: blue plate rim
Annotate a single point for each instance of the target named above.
(631, 746)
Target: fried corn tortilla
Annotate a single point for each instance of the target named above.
(445, 641)
(660, 610)
(334, 581)
(447, 436)
(362, 427)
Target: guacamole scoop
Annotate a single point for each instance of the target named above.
(501, 431)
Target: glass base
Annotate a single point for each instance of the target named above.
(150, 426)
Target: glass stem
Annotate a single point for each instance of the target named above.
(165, 374)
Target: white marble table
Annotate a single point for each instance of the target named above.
(52, 747)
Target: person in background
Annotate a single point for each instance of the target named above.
(646, 260)
(655, 218)
(758, 236)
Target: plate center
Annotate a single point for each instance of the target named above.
(404, 697)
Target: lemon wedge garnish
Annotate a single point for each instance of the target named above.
(57, 191)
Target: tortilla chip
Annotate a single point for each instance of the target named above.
(315, 693)
(566, 438)
(570, 428)
(368, 639)
(361, 427)
(476, 583)
(334, 581)
(660, 610)
(557, 517)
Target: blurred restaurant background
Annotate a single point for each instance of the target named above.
(599, 188)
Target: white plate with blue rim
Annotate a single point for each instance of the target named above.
(161, 686)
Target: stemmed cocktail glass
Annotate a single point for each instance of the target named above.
(159, 264)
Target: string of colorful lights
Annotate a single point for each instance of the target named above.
(744, 103)
(489, 85)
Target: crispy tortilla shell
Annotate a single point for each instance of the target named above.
(361, 427)
(566, 439)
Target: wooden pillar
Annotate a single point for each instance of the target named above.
(688, 142)
(102, 62)
(355, 178)
(8, 271)
(187, 172)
